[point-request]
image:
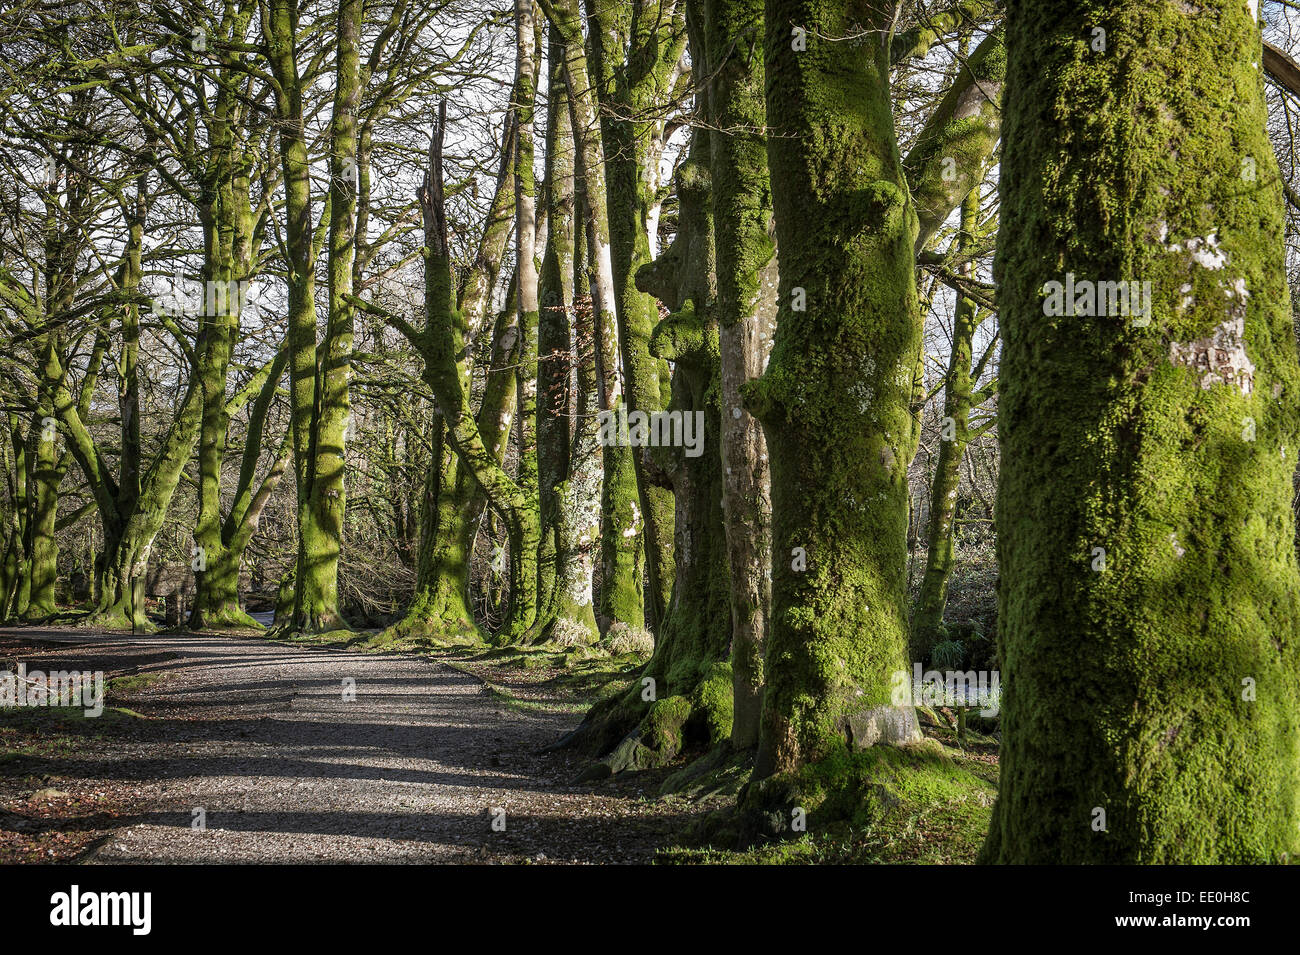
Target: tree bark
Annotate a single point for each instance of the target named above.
(635, 52)
(523, 521)
(927, 620)
(563, 563)
(1145, 530)
(835, 400)
(621, 542)
(746, 313)
(226, 214)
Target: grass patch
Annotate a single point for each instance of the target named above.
(135, 683)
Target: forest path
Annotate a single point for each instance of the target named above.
(288, 768)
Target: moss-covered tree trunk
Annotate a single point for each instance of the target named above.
(129, 533)
(142, 496)
(621, 542)
(315, 550)
(691, 663)
(835, 400)
(442, 345)
(63, 219)
(635, 54)
(564, 567)
(441, 602)
(952, 151)
(46, 469)
(474, 296)
(43, 545)
(225, 208)
(452, 504)
(133, 516)
(317, 580)
(578, 496)
(17, 579)
(216, 599)
(746, 312)
(1149, 597)
(954, 435)
(318, 377)
(214, 604)
(523, 518)
(682, 699)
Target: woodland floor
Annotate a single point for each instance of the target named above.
(260, 736)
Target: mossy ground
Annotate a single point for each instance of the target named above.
(127, 685)
(922, 804)
(51, 721)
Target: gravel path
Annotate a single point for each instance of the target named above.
(288, 765)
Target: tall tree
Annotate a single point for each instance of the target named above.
(442, 345)
(453, 501)
(636, 55)
(318, 375)
(955, 433)
(446, 361)
(1145, 530)
(835, 400)
(622, 545)
(746, 307)
(524, 519)
(226, 164)
(570, 509)
(683, 698)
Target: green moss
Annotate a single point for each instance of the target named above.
(712, 701)
(1110, 441)
(721, 772)
(664, 725)
(835, 400)
(914, 804)
(134, 683)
